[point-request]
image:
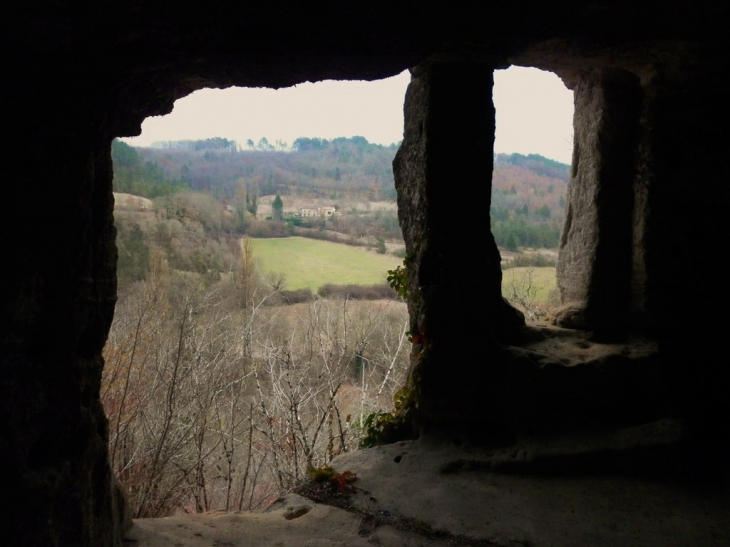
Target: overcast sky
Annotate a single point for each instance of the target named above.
(534, 113)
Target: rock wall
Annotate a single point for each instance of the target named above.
(58, 298)
(594, 268)
(457, 311)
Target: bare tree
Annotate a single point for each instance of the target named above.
(276, 280)
(521, 289)
(218, 400)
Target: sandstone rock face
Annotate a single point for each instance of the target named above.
(646, 246)
(594, 268)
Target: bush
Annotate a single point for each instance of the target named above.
(296, 297)
(329, 236)
(357, 292)
(535, 260)
(268, 229)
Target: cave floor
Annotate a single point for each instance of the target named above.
(432, 492)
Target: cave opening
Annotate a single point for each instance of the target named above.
(215, 330)
(533, 149)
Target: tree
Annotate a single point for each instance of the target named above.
(380, 246)
(521, 287)
(252, 203)
(124, 155)
(264, 145)
(276, 280)
(278, 207)
(240, 204)
(543, 212)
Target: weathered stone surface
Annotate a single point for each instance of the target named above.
(456, 306)
(612, 487)
(594, 265)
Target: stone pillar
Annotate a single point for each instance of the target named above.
(443, 177)
(57, 296)
(595, 262)
(683, 246)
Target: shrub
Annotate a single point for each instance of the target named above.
(296, 297)
(357, 292)
(535, 260)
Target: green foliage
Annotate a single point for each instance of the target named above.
(543, 213)
(321, 474)
(387, 427)
(517, 232)
(278, 207)
(499, 214)
(338, 481)
(304, 144)
(380, 246)
(133, 175)
(252, 203)
(527, 207)
(398, 280)
(124, 155)
(509, 242)
(536, 260)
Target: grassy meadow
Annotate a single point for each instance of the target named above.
(541, 280)
(311, 263)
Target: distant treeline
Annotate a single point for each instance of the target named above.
(216, 143)
(537, 163)
(338, 168)
(528, 191)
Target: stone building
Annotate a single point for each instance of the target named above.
(643, 252)
(318, 212)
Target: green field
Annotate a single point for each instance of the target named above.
(539, 281)
(311, 263)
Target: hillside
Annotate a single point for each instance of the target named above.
(528, 201)
(317, 167)
(528, 197)
(202, 196)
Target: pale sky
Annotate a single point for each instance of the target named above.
(534, 113)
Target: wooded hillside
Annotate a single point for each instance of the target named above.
(208, 193)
